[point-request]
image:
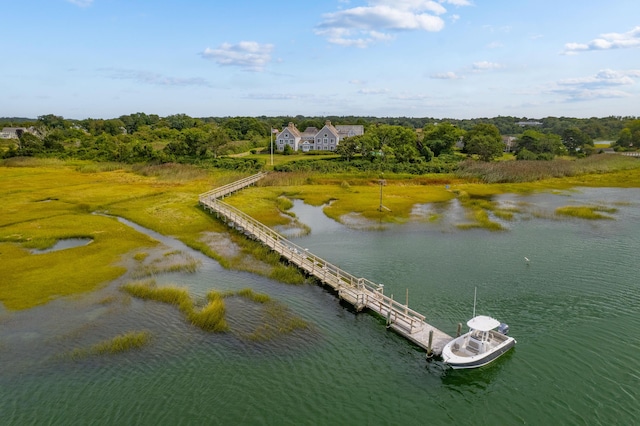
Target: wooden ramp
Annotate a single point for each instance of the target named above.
(359, 292)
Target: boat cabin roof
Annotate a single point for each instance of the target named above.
(483, 323)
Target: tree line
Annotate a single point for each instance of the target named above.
(395, 143)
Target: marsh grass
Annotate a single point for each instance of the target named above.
(140, 256)
(287, 274)
(478, 209)
(586, 212)
(530, 171)
(188, 264)
(171, 171)
(208, 318)
(248, 293)
(118, 344)
(276, 318)
(34, 279)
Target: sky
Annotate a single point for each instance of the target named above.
(385, 58)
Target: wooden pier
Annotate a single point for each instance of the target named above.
(359, 292)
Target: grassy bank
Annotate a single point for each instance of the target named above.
(118, 344)
(48, 200)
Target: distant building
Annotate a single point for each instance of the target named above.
(13, 132)
(529, 123)
(312, 139)
(509, 143)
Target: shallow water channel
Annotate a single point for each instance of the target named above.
(573, 307)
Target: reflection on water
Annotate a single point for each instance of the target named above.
(67, 243)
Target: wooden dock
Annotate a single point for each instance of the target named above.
(359, 292)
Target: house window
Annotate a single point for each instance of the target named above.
(325, 140)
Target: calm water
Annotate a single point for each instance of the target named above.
(574, 309)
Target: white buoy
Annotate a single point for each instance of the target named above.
(526, 259)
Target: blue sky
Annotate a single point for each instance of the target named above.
(418, 58)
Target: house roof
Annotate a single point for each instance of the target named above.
(310, 132)
(292, 129)
(350, 130)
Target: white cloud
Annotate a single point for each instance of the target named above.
(365, 25)
(373, 91)
(250, 55)
(601, 85)
(81, 3)
(275, 96)
(457, 2)
(446, 76)
(486, 66)
(604, 78)
(475, 68)
(630, 39)
(148, 77)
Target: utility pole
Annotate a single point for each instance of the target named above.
(271, 144)
(383, 182)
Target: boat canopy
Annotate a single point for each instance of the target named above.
(483, 323)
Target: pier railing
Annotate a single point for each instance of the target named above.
(360, 292)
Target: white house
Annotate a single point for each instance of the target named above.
(312, 139)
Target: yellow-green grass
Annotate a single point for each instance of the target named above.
(339, 199)
(248, 293)
(186, 264)
(279, 159)
(33, 279)
(45, 200)
(586, 212)
(276, 318)
(208, 318)
(118, 344)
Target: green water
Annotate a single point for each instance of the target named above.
(574, 309)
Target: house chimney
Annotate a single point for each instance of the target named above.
(291, 126)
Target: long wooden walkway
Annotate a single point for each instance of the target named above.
(359, 292)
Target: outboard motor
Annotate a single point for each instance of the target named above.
(503, 328)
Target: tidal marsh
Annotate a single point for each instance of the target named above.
(586, 212)
(118, 344)
(209, 317)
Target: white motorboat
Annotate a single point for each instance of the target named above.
(486, 340)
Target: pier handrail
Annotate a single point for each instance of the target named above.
(360, 292)
(302, 257)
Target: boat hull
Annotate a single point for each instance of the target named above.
(461, 362)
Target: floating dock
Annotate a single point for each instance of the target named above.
(359, 292)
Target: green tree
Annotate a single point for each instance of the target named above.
(441, 138)
(180, 121)
(215, 139)
(629, 136)
(484, 140)
(348, 148)
(51, 121)
(546, 144)
(29, 144)
(575, 140)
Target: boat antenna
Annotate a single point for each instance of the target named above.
(475, 293)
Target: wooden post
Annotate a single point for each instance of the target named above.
(406, 306)
(459, 329)
(429, 349)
